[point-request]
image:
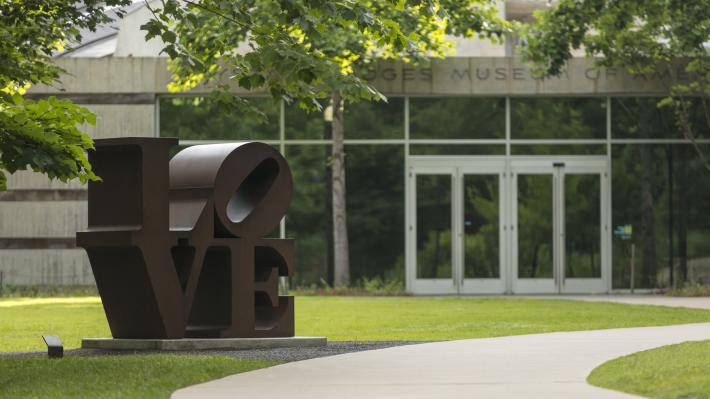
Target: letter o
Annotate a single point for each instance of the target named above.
(250, 182)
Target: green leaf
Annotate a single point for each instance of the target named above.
(168, 37)
(245, 82)
(91, 119)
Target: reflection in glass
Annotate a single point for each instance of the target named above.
(558, 118)
(582, 226)
(640, 117)
(480, 226)
(559, 149)
(640, 188)
(308, 216)
(456, 118)
(535, 241)
(433, 226)
(642, 198)
(375, 190)
(375, 119)
(198, 118)
(363, 120)
(456, 149)
(300, 124)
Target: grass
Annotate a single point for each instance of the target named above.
(23, 321)
(427, 318)
(675, 371)
(113, 376)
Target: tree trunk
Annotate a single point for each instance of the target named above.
(328, 196)
(341, 259)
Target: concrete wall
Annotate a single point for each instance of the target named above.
(506, 76)
(39, 217)
(46, 267)
(485, 76)
(131, 39)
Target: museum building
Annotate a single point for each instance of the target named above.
(475, 177)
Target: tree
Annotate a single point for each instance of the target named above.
(313, 52)
(640, 36)
(43, 135)
(665, 37)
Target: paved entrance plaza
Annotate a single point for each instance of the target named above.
(553, 365)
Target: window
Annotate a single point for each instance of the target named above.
(199, 118)
(457, 118)
(558, 118)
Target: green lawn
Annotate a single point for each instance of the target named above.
(113, 376)
(427, 318)
(23, 321)
(675, 371)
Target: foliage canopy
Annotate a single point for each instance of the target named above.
(43, 135)
(303, 50)
(642, 36)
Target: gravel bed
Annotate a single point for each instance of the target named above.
(276, 354)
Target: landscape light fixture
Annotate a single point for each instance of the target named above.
(54, 346)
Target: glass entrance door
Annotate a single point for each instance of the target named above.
(455, 217)
(533, 230)
(433, 229)
(491, 225)
(559, 225)
(481, 214)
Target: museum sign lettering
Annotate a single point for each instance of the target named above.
(443, 75)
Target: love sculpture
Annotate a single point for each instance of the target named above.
(177, 245)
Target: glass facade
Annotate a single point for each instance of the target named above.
(197, 118)
(558, 118)
(308, 220)
(480, 118)
(663, 191)
(641, 118)
(658, 183)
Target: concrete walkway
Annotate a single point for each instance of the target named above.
(553, 365)
(650, 299)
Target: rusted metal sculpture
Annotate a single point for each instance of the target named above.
(177, 246)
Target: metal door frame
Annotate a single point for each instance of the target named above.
(547, 166)
(506, 168)
(456, 167)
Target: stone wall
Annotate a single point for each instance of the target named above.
(39, 217)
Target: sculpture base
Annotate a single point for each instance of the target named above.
(194, 344)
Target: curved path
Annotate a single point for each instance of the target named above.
(553, 365)
(648, 299)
